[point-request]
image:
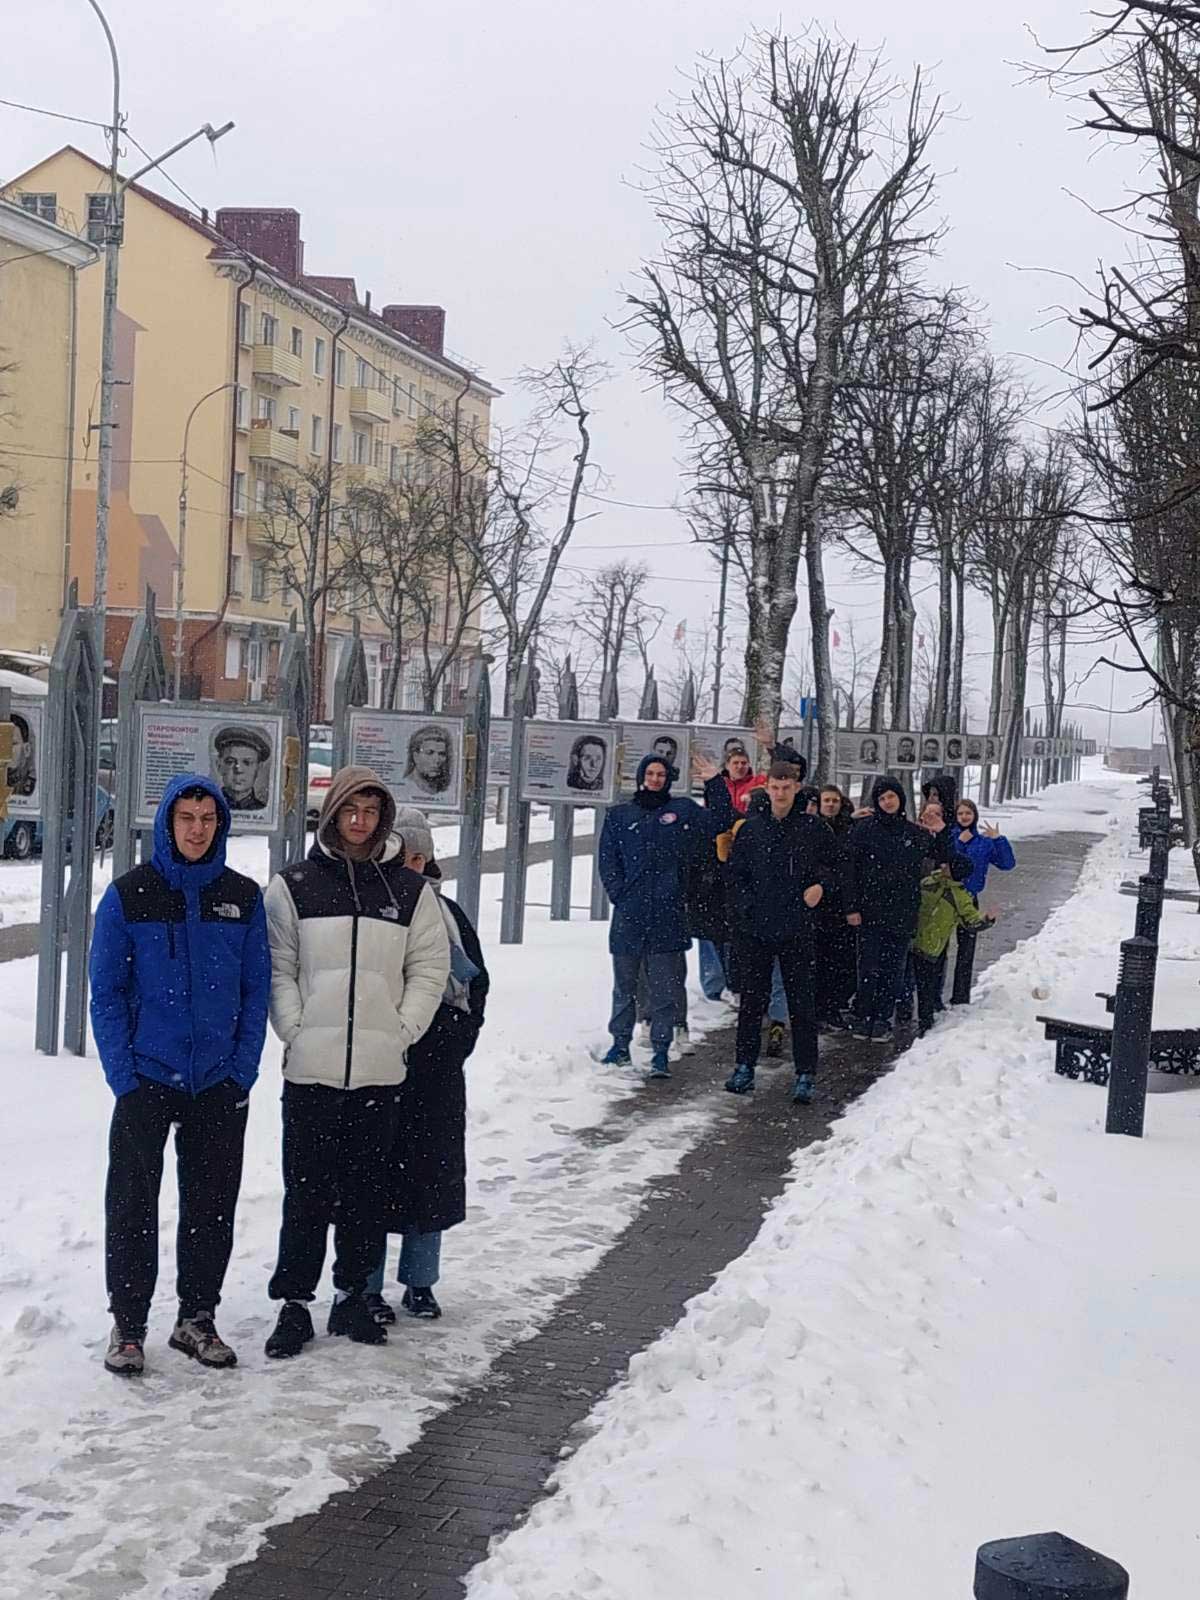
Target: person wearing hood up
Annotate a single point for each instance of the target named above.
(985, 847)
(427, 1171)
(180, 977)
(885, 862)
(360, 959)
(648, 848)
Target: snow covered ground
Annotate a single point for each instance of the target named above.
(149, 1491)
(968, 1316)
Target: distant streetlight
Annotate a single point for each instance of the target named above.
(112, 244)
(181, 546)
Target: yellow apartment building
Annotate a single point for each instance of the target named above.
(39, 293)
(279, 371)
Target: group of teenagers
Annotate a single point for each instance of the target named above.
(375, 983)
(806, 909)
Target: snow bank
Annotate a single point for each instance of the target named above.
(114, 1491)
(969, 1316)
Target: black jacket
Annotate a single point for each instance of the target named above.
(772, 863)
(885, 864)
(427, 1174)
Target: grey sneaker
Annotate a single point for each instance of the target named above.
(124, 1357)
(198, 1339)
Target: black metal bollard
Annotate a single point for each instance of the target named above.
(1149, 906)
(1046, 1566)
(1132, 1017)
(1158, 837)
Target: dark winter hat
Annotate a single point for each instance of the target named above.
(960, 868)
(758, 800)
(789, 753)
(947, 791)
(884, 786)
(652, 760)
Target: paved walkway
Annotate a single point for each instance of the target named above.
(415, 1529)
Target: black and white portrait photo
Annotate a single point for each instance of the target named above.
(585, 769)
(430, 766)
(904, 749)
(954, 750)
(241, 764)
(931, 749)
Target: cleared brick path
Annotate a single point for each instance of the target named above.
(412, 1531)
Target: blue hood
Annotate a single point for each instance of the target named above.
(672, 773)
(167, 862)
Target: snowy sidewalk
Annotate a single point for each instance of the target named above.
(418, 1527)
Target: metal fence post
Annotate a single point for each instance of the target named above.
(562, 859)
(142, 676)
(609, 709)
(351, 687)
(1132, 1016)
(293, 692)
(516, 838)
(1046, 1566)
(470, 834)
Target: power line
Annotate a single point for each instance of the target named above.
(59, 116)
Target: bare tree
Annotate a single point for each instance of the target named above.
(788, 193)
(612, 612)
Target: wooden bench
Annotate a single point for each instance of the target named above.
(1084, 1049)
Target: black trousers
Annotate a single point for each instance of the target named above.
(929, 972)
(755, 961)
(210, 1133)
(964, 964)
(336, 1144)
(835, 966)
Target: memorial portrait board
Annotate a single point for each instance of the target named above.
(417, 754)
(240, 749)
(574, 762)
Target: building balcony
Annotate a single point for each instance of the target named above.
(273, 444)
(368, 405)
(258, 530)
(362, 475)
(273, 364)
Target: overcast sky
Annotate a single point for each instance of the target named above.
(483, 154)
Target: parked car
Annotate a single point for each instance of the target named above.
(21, 837)
(320, 776)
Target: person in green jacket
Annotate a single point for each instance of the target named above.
(945, 906)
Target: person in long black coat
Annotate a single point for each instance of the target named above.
(427, 1174)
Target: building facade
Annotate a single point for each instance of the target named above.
(40, 265)
(277, 377)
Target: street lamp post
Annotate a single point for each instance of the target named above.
(181, 546)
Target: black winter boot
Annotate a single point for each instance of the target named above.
(353, 1318)
(293, 1330)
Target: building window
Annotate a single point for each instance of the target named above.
(294, 420)
(362, 372)
(265, 406)
(397, 397)
(429, 404)
(318, 358)
(258, 580)
(377, 454)
(339, 367)
(260, 495)
(42, 205)
(381, 380)
(394, 463)
(445, 411)
(239, 494)
(235, 574)
(412, 399)
(268, 328)
(255, 658)
(297, 341)
(99, 209)
(241, 406)
(337, 441)
(360, 446)
(316, 441)
(233, 655)
(243, 322)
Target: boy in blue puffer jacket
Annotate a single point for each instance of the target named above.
(181, 980)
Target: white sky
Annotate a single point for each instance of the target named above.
(481, 155)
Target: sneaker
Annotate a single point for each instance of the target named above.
(860, 1030)
(617, 1056)
(379, 1308)
(881, 1033)
(421, 1303)
(293, 1330)
(124, 1357)
(740, 1080)
(660, 1065)
(683, 1041)
(198, 1339)
(802, 1089)
(351, 1318)
(775, 1039)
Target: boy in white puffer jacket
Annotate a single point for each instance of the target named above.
(360, 960)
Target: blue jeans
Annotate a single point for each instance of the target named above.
(420, 1258)
(662, 985)
(712, 970)
(882, 954)
(777, 1006)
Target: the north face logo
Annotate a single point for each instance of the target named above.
(225, 909)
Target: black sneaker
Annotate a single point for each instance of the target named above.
(352, 1319)
(774, 1040)
(421, 1303)
(292, 1332)
(383, 1313)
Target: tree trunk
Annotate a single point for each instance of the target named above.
(960, 635)
(945, 637)
(820, 616)
(887, 651)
